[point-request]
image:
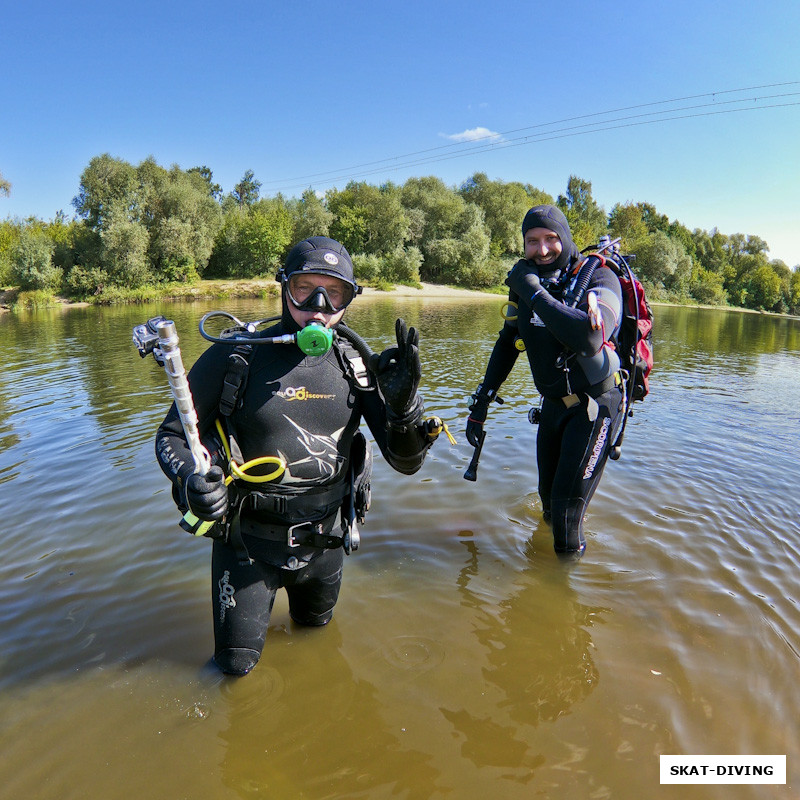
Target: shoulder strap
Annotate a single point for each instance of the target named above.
(353, 365)
(235, 380)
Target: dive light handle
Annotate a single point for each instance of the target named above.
(179, 384)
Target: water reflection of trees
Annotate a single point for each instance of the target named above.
(302, 725)
(90, 350)
(538, 656)
(686, 331)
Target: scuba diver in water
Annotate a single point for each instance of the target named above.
(575, 368)
(290, 527)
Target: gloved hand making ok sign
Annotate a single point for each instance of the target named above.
(398, 371)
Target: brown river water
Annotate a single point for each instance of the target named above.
(464, 659)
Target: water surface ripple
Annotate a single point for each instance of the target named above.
(464, 659)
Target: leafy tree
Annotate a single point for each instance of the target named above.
(267, 235)
(706, 287)
(124, 243)
(662, 261)
(504, 205)
(587, 220)
(793, 300)
(625, 221)
(246, 191)
(462, 258)
(214, 189)
(108, 186)
(368, 219)
(32, 261)
(251, 244)
(170, 247)
(309, 216)
(350, 226)
(439, 210)
(764, 289)
(402, 265)
(710, 250)
(450, 232)
(654, 220)
(755, 246)
(184, 221)
(167, 217)
(64, 234)
(9, 236)
(682, 234)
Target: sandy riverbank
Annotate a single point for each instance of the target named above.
(429, 290)
(257, 288)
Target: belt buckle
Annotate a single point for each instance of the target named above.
(290, 540)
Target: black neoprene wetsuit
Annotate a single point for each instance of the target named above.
(305, 410)
(573, 368)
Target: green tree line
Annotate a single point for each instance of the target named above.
(146, 226)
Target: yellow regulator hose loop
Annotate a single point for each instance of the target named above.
(509, 315)
(241, 472)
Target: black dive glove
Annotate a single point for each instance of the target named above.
(477, 416)
(478, 409)
(398, 371)
(207, 495)
(524, 280)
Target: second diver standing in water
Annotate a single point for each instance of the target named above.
(575, 369)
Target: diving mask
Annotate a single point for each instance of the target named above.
(309, 291)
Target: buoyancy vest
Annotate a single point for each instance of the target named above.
(298, 515)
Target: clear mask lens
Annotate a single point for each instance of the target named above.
(307, 293)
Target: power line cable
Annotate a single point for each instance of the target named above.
(474, 146)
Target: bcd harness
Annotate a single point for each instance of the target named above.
(283, 515)
(633, 340)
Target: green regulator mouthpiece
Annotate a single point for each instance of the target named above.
(315, 339)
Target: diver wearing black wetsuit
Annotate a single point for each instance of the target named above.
(305, 412)
(574, 368)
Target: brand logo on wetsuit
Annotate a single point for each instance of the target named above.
(226, 592)
(301, 393)
(598, 448)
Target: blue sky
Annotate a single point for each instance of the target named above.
(293, 90)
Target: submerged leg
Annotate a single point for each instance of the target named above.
(242, 599)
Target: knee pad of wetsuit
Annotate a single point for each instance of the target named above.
(237, 660)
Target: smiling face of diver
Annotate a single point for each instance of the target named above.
(542, 246)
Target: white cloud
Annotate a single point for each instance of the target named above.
(473, 135)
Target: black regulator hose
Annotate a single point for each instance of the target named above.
(364, 350)
(577, 288)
